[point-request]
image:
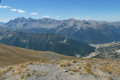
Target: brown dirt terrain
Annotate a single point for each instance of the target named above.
(10, 55)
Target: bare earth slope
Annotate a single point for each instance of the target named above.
(10, 55)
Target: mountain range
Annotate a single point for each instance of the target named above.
(68, 37)
(81, 30)
(47, 37)
(2, 23)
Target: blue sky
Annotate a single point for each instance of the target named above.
(102, 10)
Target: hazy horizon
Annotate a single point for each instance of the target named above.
(58, 19)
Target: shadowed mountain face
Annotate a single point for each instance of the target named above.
(1, 23)
(5, 33)
(48, 42)
(81, 30)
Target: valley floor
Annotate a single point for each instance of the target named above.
(106, 51)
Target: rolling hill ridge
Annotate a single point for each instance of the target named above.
(10, 55)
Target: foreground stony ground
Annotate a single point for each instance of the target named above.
(76, 69)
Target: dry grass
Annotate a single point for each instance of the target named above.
(75, 70)
(6, 69)
(73, 61)
(86, 67)
(107, 78)
(110, 68)
(65, 64)
(90, 65)
(28, 63)
(41, 74)
(87, 70)
(44, 61)
(20, 68)
(26, 69)
(24, 76)
(10, 55)
(79, 64)
(72, 66)
(16, 71)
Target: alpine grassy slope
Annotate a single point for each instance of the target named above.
(10, 55)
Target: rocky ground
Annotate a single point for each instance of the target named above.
(76, 69)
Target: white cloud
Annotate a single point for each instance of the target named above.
(46, 16)
(4, 6)
(33, 13)
(13, 9)
(21, 11)
(18, 10)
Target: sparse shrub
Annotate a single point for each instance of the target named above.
(105, 62)
(71, 73)
(26, 75)
(75, 70)
(22, 77)
(73, 61)
(107, 78)
(79, 64)
(65, 64)
(41, 74)
(22, 65)
(29, 74)
(16, 70)
(28, 63)
(87, 70)
(26, 69)
(110, 69)
(87, 64)
(3, 71)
